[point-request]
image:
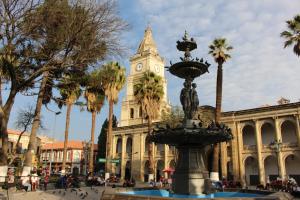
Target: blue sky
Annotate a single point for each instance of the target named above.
(259, 73)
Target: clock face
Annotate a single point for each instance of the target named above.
(157, 68)
(139, 67)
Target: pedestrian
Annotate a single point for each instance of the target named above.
(34, 181)
(46, 181)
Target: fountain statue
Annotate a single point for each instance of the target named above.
(191, 138)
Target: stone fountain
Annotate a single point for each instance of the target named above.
(190, 138)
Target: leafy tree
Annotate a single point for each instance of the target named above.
(113, 80)
(219, 50)
(70, 91)
(292, 36)
(43, 40)
(149, 92)
(95, 97)
(102, 142)
(173, 117)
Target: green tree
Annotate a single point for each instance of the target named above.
(113, 80)
(95, 97)
(149, 92)
(42, 40)
(292, 35)
(70, 91)
(102, 142)
(173, 117)
(219, 50)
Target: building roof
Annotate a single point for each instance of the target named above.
(147, 43)
(16, 132)
(262, 109)
(72, 144)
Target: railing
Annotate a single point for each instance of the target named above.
(249, 147)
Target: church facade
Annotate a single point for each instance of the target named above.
(266, 140)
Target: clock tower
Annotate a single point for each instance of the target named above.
(146, 58)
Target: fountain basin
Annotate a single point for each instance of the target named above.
(165, 193)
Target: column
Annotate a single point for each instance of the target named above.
(234, 153)
(136, 162)
(261, 168)
(297, 128)
(123, 161)
(224, 159)
(279, 153)
(141, 154)
(240, 157)
(166, 160)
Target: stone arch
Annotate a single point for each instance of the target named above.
(146, 170)
(119, 145)
(128, 170)
(288, 132)
(292, 166)
(229, 170)
(131, 113)
(129, 146)
(268, 133)
(251, 170)
(249, 135)
(146, 144)
(160, 165)
(172, 164)
(271, 168)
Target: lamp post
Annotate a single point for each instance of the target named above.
(277, 145)
(53, 134)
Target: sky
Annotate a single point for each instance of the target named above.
(259, 72)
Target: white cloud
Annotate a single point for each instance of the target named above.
(260, 70)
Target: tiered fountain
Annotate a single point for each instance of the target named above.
(190, 138)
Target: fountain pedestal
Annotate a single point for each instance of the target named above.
(190, 172)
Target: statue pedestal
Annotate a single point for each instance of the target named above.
(190, 173)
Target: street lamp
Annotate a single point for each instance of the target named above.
(53, 133)
(277, 145)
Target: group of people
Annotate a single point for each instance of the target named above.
(161, 183)
(33, 180)
(288, 185)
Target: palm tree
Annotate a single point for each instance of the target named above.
(292, 36)
(113, 79)
(149, 92)
(219, 50)
(70, 91)
(94, 96)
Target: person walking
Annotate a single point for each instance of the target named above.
(34, 181)
(46, 181)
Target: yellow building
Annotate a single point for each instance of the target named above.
(266, 140)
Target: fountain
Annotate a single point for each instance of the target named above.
(190, 179)
(190, 138)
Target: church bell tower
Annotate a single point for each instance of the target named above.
(146, 58)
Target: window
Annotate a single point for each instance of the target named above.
(131, 113)
(140, 112)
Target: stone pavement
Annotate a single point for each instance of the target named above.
(60, 194)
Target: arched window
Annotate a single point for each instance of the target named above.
(267, 133)
(288, 132)
(249, 135)
(140, 112)
(131, 113)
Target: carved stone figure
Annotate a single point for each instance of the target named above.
(194, 98)
(185, 99)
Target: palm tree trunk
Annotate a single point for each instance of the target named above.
(91, 160)
(32, 145)
(109, 136)
(69, 108)
(150, 148)
(215, 165)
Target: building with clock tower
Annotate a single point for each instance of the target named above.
(146, 58)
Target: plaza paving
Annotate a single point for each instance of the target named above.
(83, 193)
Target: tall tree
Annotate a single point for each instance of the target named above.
(95, 97)
(292, 35)
(219, 50)
(102, 142)
(113, 80)
(27, 50)
(149, 92)
(70, 91)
